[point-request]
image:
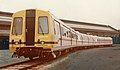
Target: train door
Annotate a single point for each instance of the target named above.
(30, 27)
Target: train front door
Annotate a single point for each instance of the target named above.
(30, 27)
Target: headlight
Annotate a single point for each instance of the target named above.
(16, 43)
(42, 42)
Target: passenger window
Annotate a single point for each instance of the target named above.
(57, 28)
(62, 30)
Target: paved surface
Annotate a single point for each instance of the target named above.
(5, 58)
(92, 59)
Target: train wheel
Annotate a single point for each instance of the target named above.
(57, 53)
(41, 57)
(47, 56)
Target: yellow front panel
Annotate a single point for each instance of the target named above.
(16, 38)
(45, 37)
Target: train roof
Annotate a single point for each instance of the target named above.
(61, 22)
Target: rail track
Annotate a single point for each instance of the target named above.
(29, 64)
(24, 65)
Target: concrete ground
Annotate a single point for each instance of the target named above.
(92, 59)
(5, 58)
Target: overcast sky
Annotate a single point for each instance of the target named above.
(105, 12)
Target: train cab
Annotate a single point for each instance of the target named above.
(31, 30)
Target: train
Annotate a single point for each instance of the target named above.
(38, 33)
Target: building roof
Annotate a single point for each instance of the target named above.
(5, 18)
(5, 13)
(92, 28)
(87, 25)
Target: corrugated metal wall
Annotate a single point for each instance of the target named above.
(4, 43)
(116, 40)
(5, 20)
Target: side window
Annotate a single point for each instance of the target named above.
(65, 31)
(56, 28)
(81, 37)
(62, 30)
(69, 34)
(17, 26)
(74, 36)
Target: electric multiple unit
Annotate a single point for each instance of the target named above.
(38, 33)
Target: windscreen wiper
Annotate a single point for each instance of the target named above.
(41, 29)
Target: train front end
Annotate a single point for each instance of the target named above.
(30, 33)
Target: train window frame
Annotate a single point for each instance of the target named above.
(57, 24)
(47, 25)
(21, 26)
(64, 30)
(55, 32)
(62, 26)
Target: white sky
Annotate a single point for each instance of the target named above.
(97, 11)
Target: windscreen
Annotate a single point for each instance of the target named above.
(43, 25)
(17, 26)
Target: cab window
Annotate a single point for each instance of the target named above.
(43, 24)
(17, 26)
